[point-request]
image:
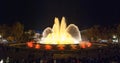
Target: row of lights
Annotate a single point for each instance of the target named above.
(60, 47)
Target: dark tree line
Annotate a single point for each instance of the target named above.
(13, 32)
(16, 33)
(97, 33)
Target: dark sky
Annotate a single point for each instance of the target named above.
(38, 14)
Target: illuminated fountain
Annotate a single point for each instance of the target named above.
(60, 33)
(60, 37)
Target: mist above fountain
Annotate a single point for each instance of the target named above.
(61, 34)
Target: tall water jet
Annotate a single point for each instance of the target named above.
(61, 34)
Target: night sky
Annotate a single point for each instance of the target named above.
(39, 14)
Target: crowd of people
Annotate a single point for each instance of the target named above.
(105, 54)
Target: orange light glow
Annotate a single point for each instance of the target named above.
(88, 44)
(61, 47)
(30, 44)
(48, 47)
(37, 46)
(85, 44)
(82, 45)
(73, 46)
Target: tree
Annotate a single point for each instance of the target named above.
(4, 30)
(118, 32)
(28, 35)
(17, 31)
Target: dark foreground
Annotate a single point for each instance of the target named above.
(101, 53)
